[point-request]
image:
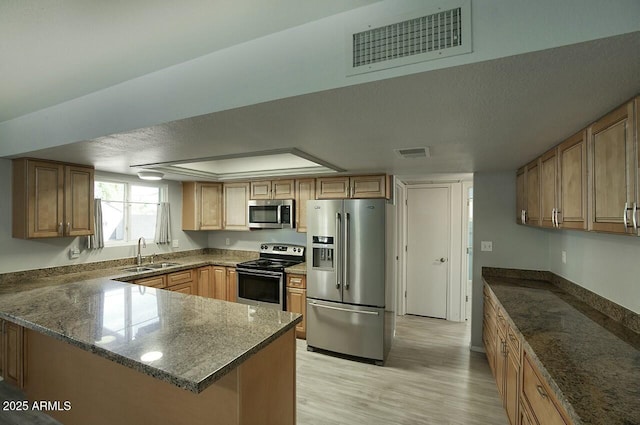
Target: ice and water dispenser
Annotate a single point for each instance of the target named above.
(323, 252)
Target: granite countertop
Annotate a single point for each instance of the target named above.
(297, 269)
(590, 361)
(201, 339)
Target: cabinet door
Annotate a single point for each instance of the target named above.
(368, 186)
(521, 194)
(332, 187)
(572, 170)
(613, 164)
(210, 205)
(283, 189)
(533, 194)
(297, 303)
(500, 363)
(219, 283)
(236, 197)
(13, 354)
(79, 206)
(232, 285)
(511, 393)
(305, 191)
(548, 187)
(45, 203)
(261, 189)
(205, 282)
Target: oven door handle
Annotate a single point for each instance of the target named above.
(254, 272)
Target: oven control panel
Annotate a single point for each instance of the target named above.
(282, 249)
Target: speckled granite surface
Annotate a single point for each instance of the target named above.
(297, 269)
(591, 361)
(201, 339)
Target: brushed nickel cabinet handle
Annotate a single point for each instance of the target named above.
(633, 217)
(624, 215)
(541, 391)
(553, 217)
(68, 228)
(60, 227)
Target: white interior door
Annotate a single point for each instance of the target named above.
(428, 241)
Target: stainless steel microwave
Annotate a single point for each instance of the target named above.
(271, 214)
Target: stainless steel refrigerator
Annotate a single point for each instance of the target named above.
(346, 256)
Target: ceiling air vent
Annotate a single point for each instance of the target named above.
(409, 153)
(413, 38)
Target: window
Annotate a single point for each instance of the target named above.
(129, 210)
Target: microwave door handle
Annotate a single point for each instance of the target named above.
(338, 255)
(279, 214)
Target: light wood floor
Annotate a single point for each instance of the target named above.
(431, 377)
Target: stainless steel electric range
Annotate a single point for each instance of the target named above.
(262, 281)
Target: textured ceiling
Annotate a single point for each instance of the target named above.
(493, 115)
(56, 50)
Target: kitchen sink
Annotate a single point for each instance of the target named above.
(137, 269)
(161, 265)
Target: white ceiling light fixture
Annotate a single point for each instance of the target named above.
(150, 175)
(275, 162)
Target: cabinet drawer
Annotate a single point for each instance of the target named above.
(177, 278)
(155, 281)
(501, 321)
(296, 281)
(188, 288)
(538, 396)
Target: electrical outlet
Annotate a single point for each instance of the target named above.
(74, 253)
(486, 246)
(564, 257)
(227, 242)
(175, 243)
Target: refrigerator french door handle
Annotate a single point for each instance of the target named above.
(373, 313)
(338, 257)
(345, 265)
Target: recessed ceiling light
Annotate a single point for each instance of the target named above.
(150, 175)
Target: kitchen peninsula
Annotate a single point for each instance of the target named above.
(126, 353)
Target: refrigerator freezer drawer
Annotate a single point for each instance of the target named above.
(347, 329)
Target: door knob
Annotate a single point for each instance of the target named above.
(442, 260)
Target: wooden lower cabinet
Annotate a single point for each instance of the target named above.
(12, 353)
(205, 282)
(219, 283)
(297, 301)
(153, 281)
(503, 349)
(538, 398)
(232, 285)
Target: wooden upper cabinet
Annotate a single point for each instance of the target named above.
(332, 187)
(273, 189)
(548, 188)
(614, 169)
(532, 215)
(201, 206)
(305, 190)
(376, 186)
(236, 214)
(52, 199)
(572, 176)
(521, 195)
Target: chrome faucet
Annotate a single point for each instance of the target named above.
(139, 256)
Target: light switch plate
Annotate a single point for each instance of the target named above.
(486, 246)
(564, 257)
(175, 243)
